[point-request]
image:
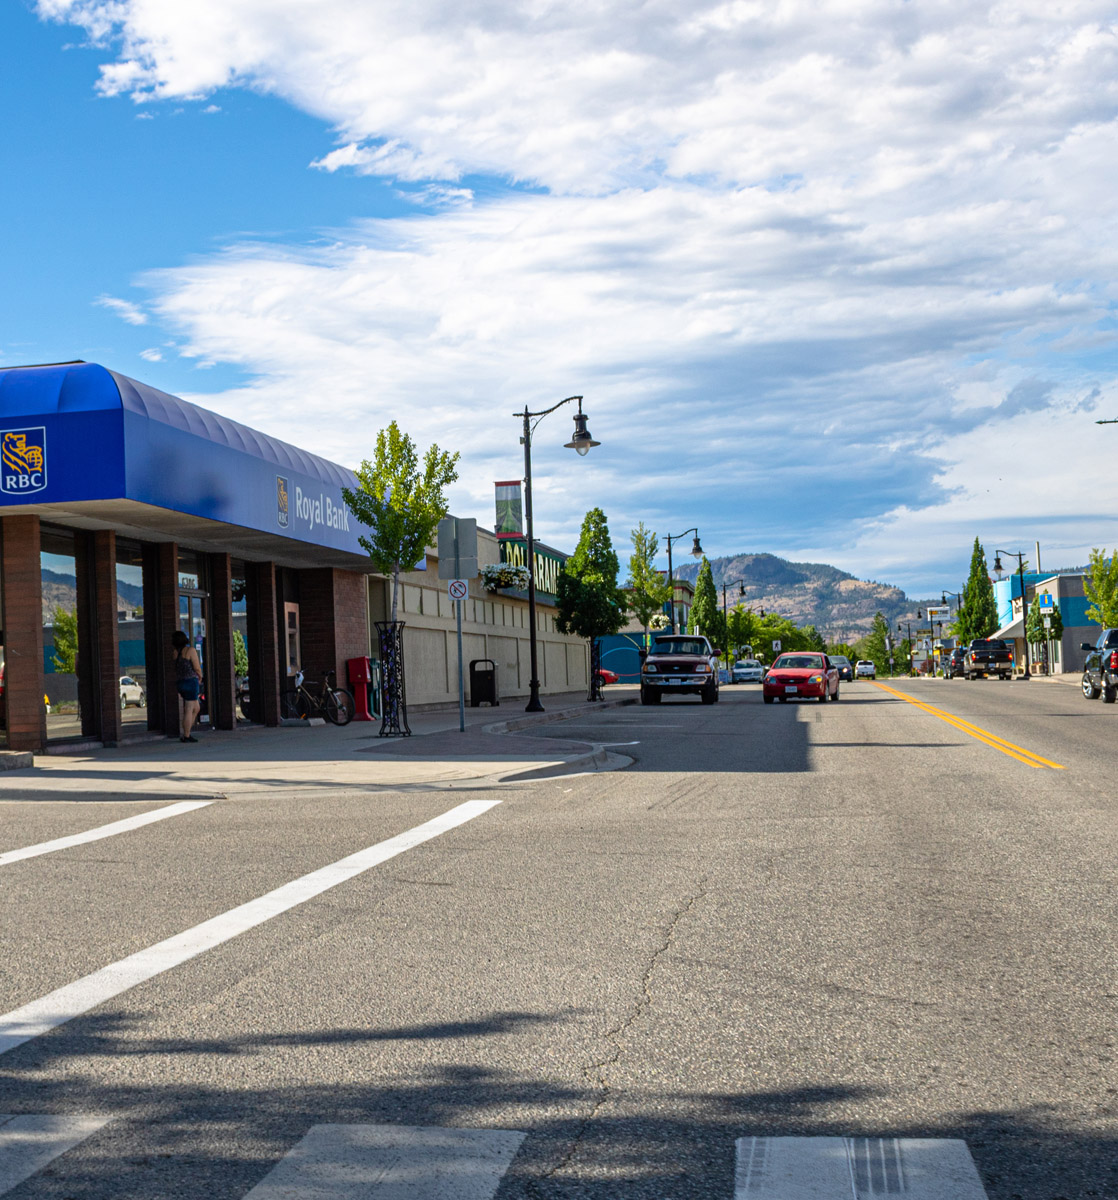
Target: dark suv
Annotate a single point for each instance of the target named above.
(953, 662)
(1100, 671)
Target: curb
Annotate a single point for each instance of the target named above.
(546, 718)
(16, 760)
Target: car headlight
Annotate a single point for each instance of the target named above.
(816, 679)
(650, 669)
(703, 668)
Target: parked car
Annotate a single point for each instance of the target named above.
(864, 669)
(132, 693)
(605, 675)
(987, 656)
(748, 670)
(953, 662)
(1100, 671)
(680, 664)
(844, 666)
(801, 675)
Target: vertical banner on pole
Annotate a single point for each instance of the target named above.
(510, 509)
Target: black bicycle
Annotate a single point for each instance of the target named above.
(317, 700)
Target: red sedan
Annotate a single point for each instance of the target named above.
(606, 675)
(801, 676)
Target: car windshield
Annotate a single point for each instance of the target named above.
(798, 662)
(679, 646)
(747, 662)
(840, 660)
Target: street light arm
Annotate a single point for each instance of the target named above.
(539, 416)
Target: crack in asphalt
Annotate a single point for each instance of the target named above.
(596, 1073)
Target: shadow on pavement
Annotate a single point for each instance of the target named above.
(177, 1132)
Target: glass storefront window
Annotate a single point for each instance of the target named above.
(3, 698)
(194, 603)
(130, 629)
(61, 651)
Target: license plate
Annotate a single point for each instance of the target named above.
(791, 689)
(675, 681)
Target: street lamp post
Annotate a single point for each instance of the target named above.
(998, 570)
(696, 552)
(580, 442)
(741, 596)
(901, 626)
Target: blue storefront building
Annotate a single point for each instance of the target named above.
(127, 513)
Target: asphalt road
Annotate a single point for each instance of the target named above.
(837, 919)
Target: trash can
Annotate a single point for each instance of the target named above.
(360, 674)
(483, 683)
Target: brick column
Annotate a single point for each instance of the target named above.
(333, 620)
(161, 614)
(223, 703)
(104, 647)
(24, 682)
(263, 642)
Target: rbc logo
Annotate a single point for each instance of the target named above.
(23, 468)
(281, 501)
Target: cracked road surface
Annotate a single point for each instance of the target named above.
(843, 919)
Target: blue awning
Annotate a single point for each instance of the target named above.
(76, 433)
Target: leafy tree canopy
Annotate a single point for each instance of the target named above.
(590, 603)
(65, 657)
(400, 502)
(706, 616)
(977, 616)
(1100, 585)
(648, 590)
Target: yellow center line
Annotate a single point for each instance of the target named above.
(982, 735)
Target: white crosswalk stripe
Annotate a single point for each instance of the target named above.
(29, 1142)
(391, 1162)
(838, 1168)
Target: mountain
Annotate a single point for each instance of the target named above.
(839, 605)
(61, 591)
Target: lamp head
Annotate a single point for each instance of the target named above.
(696, 549)
(581, 440)
(998, 569)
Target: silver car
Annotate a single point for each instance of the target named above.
(748, 670)
(864, 669)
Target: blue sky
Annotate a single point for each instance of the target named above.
(836, 279)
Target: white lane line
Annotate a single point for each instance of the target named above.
(64, 1003)
(102, 831)
(836, 1168)
(28, 1143)
(391, 1162)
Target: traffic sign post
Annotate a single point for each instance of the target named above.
(776, 645)
(458, 564)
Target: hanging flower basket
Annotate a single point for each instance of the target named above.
(659, 621)
(496, 576)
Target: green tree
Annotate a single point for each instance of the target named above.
(977, 616)
(590, 604)
(240, 653)
(647, 590)
(65, 657)
(400, 502)
(874, 645)
(706, 616)
(1100, 586)
(740, 627)
(1034, 626)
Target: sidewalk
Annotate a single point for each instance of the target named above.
(323, 757)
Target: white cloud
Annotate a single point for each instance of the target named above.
(152, 355)
(125, 309)
(802, 258)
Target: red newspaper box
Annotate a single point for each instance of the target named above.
(360, 673)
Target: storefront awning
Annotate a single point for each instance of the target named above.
(1014, 631)
(99, 449)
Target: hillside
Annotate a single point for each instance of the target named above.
(835, 602)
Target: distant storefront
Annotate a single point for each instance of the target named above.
(127, 513)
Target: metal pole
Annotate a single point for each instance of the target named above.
(671, 589)
(1024, 611)
(534, 704)
(461, 682)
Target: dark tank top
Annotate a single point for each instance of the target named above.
(184, 668)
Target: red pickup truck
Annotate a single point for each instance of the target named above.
(680, 664)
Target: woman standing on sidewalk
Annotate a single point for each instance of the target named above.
(188, 681)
